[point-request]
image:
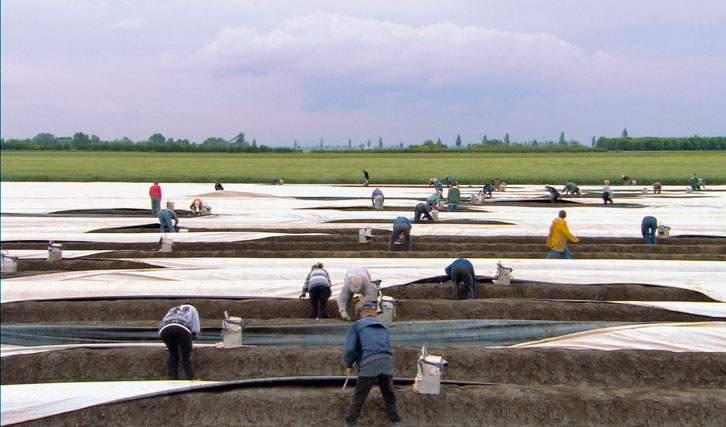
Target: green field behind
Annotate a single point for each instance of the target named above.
(385, 168)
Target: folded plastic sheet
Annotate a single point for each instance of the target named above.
(678, 337)
(432, 333)
(711, 309)
(272, 277)
(41, 254)
(7, 350)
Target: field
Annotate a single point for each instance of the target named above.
(384, 168)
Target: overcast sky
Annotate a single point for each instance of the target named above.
(334, 69)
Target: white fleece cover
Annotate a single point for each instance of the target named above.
(707, 337)
(25, 402)
(7, 350)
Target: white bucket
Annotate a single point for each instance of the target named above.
(167, 244)
(386, 309)
(364, 235)
(664, 231)
(9, 263)
(430, 369)
(232, 331)
(504, 274)
(435, 215)
(55, 252)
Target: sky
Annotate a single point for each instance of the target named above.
(404, 71)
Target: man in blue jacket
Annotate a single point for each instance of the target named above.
(367, 347)
(461, 271)
(401, 225)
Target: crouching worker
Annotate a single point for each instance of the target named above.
(165, 217)
(461, 271)
(367, 346)
(196, 207)
(649, 228)
(178, 328)
(377, 198)
(401, 225)
(422, 211)
(357, 281)
(318, 284)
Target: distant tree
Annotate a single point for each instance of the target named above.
(95, 139)
(44, 139)
(562, 138)
(438, 141)
(157, 137)
(484, 140)
(624, 134)
(321, 143)
(214, 143)
(506, 139)
(362, 146)
(369, 143)
(401, 145)
(380, 142)
(593, 141)
(80, 138)
(458, 141)
(535, 143)
(295, 145)
(350, 144)
(428, 143)
(254, 143)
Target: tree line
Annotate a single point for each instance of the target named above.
(661, 144)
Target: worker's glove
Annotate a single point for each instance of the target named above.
(302, 295)
(345, 316)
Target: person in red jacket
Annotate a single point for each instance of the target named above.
(155, 194)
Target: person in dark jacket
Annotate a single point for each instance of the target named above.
(554, 194)
(318, 284)
(422, 211)
(218, 186)
(453, 198)
(366, 177)
(571, 188)
(178, 328)
(367, 346)
(461, 271)
(649, 228)
(401, 225)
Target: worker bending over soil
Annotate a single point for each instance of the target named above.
(377, 198)
(558, 237)
(367, 346)
(218, 186)
(453, 197)
(462, 272)
(649, 228)
(554, 194)
(657, 186)
(178, 328)
(432, 202)
(401, 225)
(422, 211)
(357, 281)
(366, 177)
(165, 217)
(572, 188)
(196, 206)
(318, 284)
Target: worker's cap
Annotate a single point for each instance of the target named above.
(368, 306)
(356, 283)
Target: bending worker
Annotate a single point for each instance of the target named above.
(367, 346)
(318, 284)
(422, 211)
(432, 202)
(165, 217)
(196, 207)
(377, 198)
(401, 225)
(357, 281)
(554, 194)
(572, 188)
(648, 228)
(461, 271)
(557, 239)
(453, 197)
(178, 328)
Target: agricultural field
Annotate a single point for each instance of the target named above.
(384, 168)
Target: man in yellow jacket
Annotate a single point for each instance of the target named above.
(559, 234)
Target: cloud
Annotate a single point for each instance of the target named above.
(128, 24)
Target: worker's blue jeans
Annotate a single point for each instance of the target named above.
(400, 228)
(165, 220)
(564, 254)
(452, 208)
(648, 229)
(155, 205)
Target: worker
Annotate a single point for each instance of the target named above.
(422, 210)
(449, 181)
(648, 228)
(461, 271)
(693, 181)
(318, 284)
(558, 237)
(366, 177)
(432, 202)
(453, 197)
(657, 186)
(554, 194)
(155, 194)
(196, 207)
(496, 184)
(377, 198)
(276, 181)
(487, 190)
(607, 193)
(439, 189)
(701, 183)
(165, 217)
(401, 225)
(357, 281)
(178, 328)
(218, 186)
(572, 188)
(626, 179)
(432, 182)
(368, 348)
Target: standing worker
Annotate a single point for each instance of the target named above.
(366, 177)
(657, 186)
(165, 217)
(401, 225)
(572, 188)
(155, 194)
(461, 271)
(453, 197)
(357, 280)
(607, 193)
(648, 228)
(557, 239)
(422, 211)
(693, 181)
(318, 284)
(367, 346)
(178, 328)
(377, 198)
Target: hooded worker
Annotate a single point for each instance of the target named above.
(357, 281)
(558, 237)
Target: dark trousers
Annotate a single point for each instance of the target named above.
(175, 338)
(460, 274)
(606, 198)
(398, 228)
(421, 212)
(648, 228)
(363, 386)
(319, 297)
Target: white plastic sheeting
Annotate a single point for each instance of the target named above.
(40, 254)
(25, 402)
(711, 309)
(271, 277)
(677, 337)
(7, 350)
